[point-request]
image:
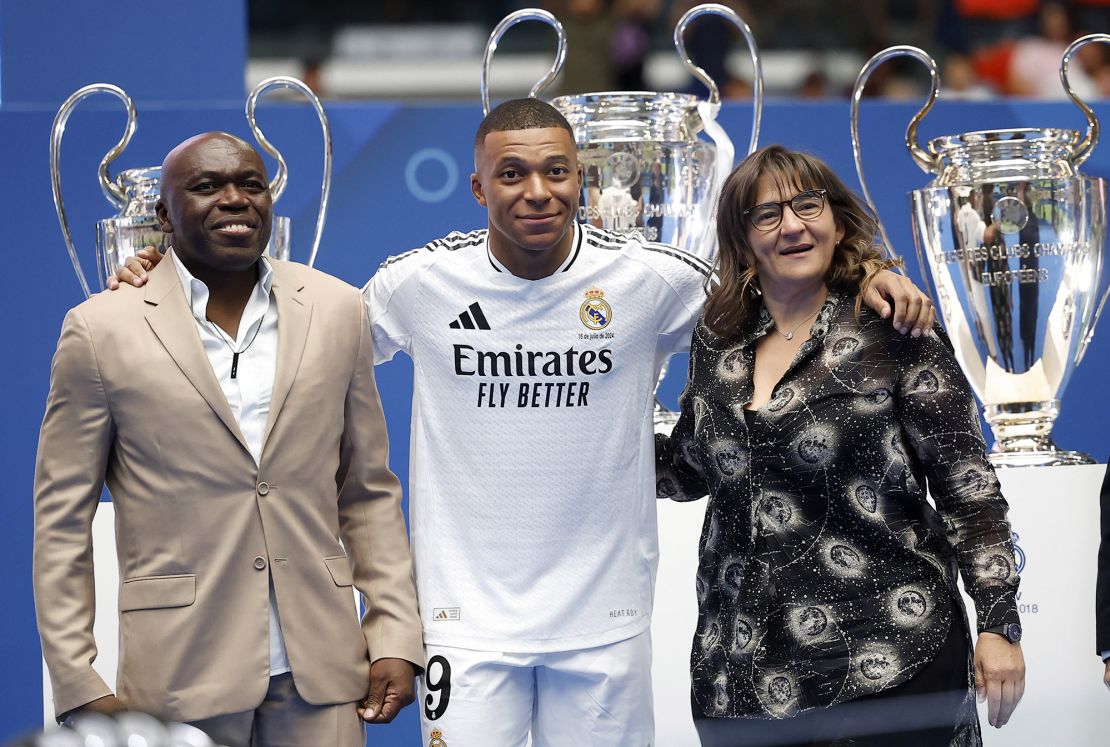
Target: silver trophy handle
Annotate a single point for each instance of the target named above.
(527, 14)
(1084, 148)
(112, 191)
(925, 160)
(753, 50)
(277, 185)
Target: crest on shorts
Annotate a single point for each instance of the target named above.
(437, 739)
(595, 312)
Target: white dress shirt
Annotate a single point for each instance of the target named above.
(248, 394)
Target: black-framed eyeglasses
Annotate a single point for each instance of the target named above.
(768, 215)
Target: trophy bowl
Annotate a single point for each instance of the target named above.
(644, 167)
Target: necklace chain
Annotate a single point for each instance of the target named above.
(790, 335)
(236, 353)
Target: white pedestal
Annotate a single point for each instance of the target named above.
(1055, 513)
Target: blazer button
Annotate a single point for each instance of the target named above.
(259, 563)
(263, 488)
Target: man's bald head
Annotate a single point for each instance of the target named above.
(173, 158)
(215, 202)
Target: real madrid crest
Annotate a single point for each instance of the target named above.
(595, 313)
(437, 739)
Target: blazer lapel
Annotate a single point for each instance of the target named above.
(294, 315)
(172, 321)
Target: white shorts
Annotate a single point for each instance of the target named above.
(597, 697)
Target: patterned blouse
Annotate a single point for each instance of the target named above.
(824, 573)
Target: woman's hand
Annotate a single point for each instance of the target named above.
(999, 676)
(134, 270)
(913, 310)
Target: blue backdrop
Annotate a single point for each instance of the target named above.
(401, 179)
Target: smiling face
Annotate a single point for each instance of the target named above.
(216, 203)
(798, 253)
(529, 182)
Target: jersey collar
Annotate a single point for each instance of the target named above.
(578, 234)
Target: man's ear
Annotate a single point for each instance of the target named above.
(163, 217)
(476, 189)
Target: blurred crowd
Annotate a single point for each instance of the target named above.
(985, 48)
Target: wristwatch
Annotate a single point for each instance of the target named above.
(1009, 631)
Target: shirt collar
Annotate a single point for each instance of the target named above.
(576, 246)
(196, 292)
(817, 333)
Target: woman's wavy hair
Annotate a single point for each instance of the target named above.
(734, 302)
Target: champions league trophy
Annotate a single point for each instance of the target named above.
(135, 191)
(1014, 240)
(644, 167)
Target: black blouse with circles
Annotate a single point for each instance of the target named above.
(824, 572)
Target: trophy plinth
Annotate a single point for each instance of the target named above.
(1023, 432)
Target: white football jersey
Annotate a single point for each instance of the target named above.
(532, 480)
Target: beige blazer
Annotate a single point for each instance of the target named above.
(200, 528)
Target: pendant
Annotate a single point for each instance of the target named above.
(789, 335)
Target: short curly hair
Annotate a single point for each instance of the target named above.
(521, 114)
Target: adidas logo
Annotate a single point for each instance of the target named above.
(446, 614)
(472, 318)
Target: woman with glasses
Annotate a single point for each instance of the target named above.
(828, 605)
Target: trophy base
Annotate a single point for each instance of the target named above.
(1023, 433)
(1038, 458)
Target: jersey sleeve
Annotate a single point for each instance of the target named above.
(389, 297)
(679, 296)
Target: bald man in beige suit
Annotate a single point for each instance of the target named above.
(230, 407)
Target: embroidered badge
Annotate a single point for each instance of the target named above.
(595, 313)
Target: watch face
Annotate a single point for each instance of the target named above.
(1013, 632)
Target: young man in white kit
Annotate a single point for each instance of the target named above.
(536, 346)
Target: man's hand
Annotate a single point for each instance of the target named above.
(1106, 675)
(913, 310)
(135, 269)
(999, 676)
(391, 689)
(109, 705)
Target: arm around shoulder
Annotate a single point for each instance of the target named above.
(678, 474)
